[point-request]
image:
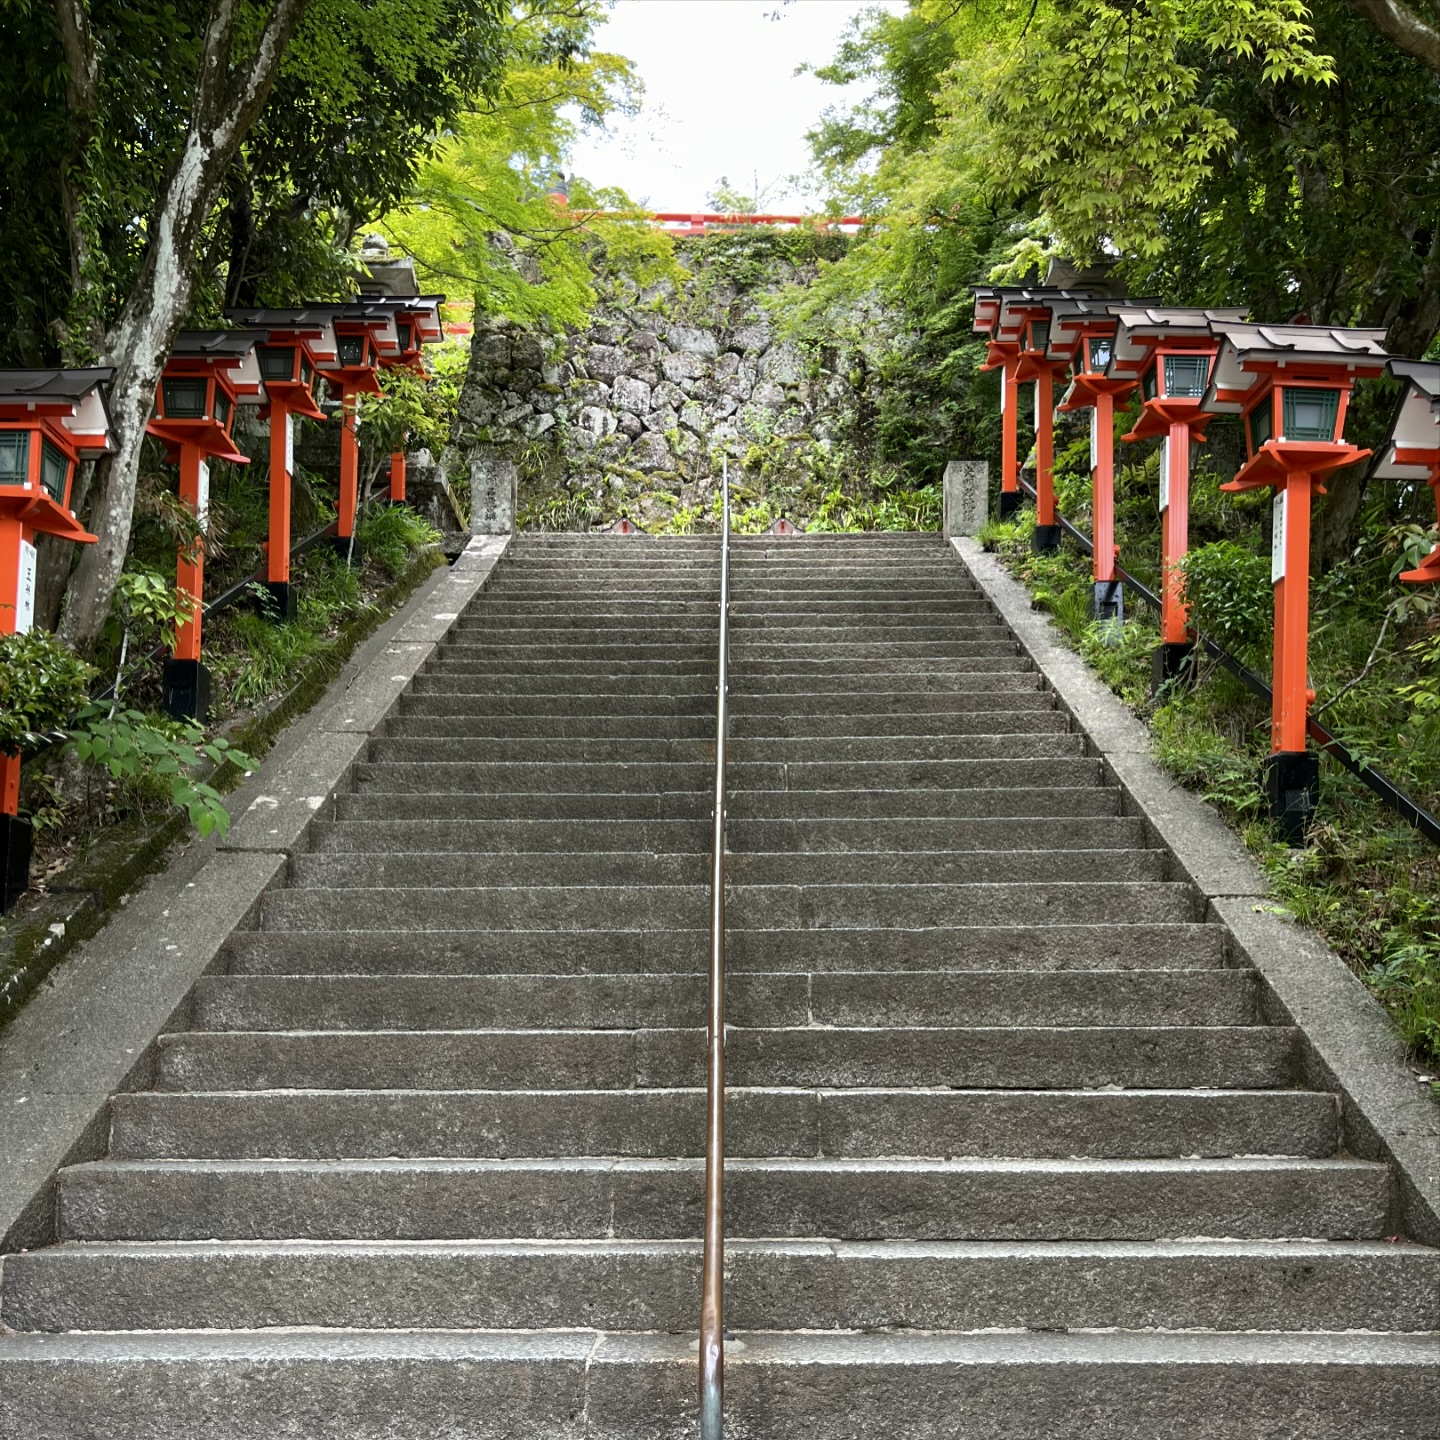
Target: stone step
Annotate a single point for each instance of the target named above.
(1255, 1285)
(637, 1198)
(507, 669)
(745, 651)
(798, 805)
(627, 1001)
(414, 723)
(757, 907)
(431, 696)
(645, 777)
(414, 868)
(745, 836)
(1164, 948)
(544, 1385)
(852, 1122)
(1002, 1057)
(407, 748)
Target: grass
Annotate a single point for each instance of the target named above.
(1365, 880)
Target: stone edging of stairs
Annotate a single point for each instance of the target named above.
(1350, 1044)
(92, 1031)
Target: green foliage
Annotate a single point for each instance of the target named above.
(1227, 587)
(392, 535)
(130, 746)
(479, 214)
(42, 683)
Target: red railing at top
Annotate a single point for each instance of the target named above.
(697, 222)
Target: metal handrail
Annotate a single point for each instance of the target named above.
(1389, 793)
(712, 1285)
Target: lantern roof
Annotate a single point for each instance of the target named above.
(1412, 451)
(1076, 316)
(1250, 355)
(230, 353)
(76, 398)
(1140, 328)
(1002, 310)
(313, 324)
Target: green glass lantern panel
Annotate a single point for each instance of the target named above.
(222, 406)
(1039, 335)
(54, 470)
(1186, 376)
(14, 457)
(1310, 414)
(352, 350)
(1260, 424)
(407, 337)
(184, 399)
(1147, 385)
(1099, 354)
(277, 362)
(307, 372)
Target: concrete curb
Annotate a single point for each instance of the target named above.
(90, 1032)
(1351, 1045)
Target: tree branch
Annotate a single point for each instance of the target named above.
(1401, 23)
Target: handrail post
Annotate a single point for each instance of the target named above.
(712, 1301)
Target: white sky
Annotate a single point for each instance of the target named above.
(721, 97)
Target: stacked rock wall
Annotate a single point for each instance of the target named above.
(633, 415)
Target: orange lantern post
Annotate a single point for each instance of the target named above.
(208, 374)
(1083, 336)
(359, 329)
(1412, 452)
(1170, 350)
(49, 421)
(417, 324)
(297, 343)
(1015, 322)
(1292, 384)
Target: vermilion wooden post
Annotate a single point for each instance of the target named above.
(277, 547)
(190, 560)
(1009, 438)
(397, 477)
(1047, 531)
(1175, 535)
(349, 470)
(1292, 385)
(1102, 491)
(1292, 695)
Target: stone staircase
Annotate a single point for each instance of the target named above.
(1014, 1152)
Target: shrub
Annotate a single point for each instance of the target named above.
(392, 535)
(1228, 590)
(42, 684)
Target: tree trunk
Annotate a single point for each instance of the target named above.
(228, 100)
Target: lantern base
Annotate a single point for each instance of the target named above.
(1172, 663)
(1292, 789)
(1110, 600)
(279, 601)
(15, 838)
(187, 690)
(1010, 503)
(1046, 538)
(347, 547)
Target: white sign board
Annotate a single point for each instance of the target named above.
(202, 497)
(1037, 407)
(1094, 441)
(1277, 538)
(1164, 474)
(289, 443)
(1004, 393)
(25, 597)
